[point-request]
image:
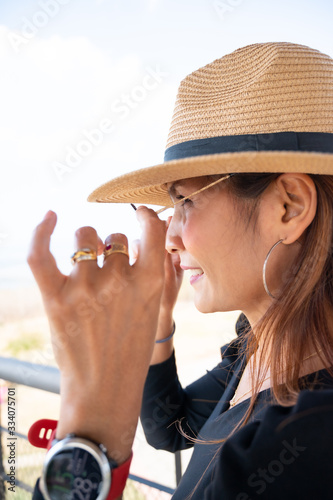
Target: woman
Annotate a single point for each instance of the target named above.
(248, 169)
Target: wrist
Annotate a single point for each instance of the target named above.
(169, 337)
(165, 324)
(164, 340)
(100, 422)
(76, 465)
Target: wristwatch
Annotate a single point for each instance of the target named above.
(76, 468)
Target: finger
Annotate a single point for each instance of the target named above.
(40, 259)
(172, 266)
(116, 258)
(85, 238)
(168, 266)
(100, 246)
(152, 246)
(134, 250)
(175, 257)
(168, 221)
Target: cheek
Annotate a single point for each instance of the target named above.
(190, 240)
(195, 239)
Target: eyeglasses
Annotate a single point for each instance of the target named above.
(159, 211)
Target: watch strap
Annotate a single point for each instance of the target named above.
(119, 477)
(42, 433)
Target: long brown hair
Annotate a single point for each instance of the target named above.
(301, 318)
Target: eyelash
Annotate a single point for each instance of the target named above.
(186, 200)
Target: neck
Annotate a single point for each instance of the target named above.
(311, 362)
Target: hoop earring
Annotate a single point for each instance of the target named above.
(264, 270)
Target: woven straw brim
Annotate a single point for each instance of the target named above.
(148, 185)
(259, 90)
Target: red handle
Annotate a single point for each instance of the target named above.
(42, 433)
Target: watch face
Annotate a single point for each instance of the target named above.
(73, 474)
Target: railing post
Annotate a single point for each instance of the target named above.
(178, 467)
(47, 378)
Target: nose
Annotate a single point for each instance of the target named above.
(174, 242)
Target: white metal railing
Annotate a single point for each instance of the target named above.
(47, 378)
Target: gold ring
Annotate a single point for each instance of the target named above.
(115, 248)
(83, 254)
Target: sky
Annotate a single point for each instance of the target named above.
(87, 90)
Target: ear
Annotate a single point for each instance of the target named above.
(298, 194)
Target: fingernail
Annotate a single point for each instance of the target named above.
(168, 221)
(49, 215)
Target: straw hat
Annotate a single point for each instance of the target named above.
(263, 108)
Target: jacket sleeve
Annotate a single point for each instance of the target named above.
(165, 402)
(288, 454)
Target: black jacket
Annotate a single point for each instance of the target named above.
(282, 453)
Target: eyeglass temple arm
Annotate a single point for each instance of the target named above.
(160, 210)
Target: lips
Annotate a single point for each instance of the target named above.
(195, 273)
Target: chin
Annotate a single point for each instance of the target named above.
(204, 306)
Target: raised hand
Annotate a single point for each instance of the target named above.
(103, 323)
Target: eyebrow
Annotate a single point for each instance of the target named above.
(172, 190)
(173, 187)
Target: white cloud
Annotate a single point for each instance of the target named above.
(56, 88)
(51, 91)
(153, 4)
